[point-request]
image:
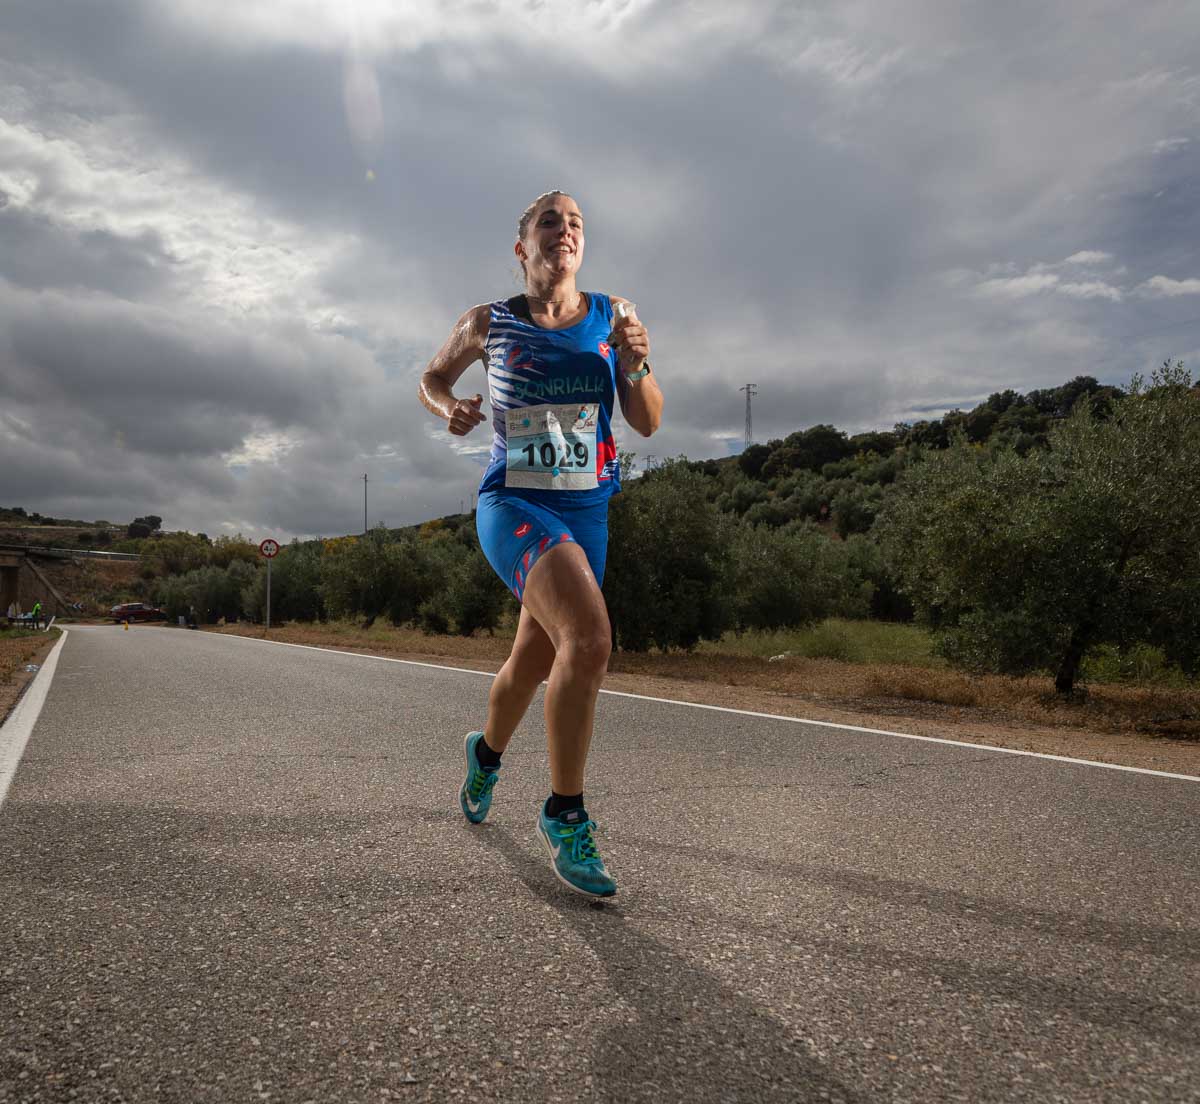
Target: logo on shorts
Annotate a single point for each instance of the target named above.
(523, 530)
(604, 348)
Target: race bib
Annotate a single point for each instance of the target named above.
(552, 448)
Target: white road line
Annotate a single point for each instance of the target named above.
(749, 713)
(15, 732)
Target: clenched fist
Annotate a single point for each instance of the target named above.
(466, 415)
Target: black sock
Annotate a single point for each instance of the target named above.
(561, 803)
(488, 759)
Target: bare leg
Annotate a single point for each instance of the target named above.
(563, 597)
(526, 668)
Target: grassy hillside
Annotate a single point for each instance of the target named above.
(94, 583)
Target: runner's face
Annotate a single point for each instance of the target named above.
(553, 244)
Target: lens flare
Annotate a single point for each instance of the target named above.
(364, 108)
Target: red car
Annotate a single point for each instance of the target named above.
(136, 611)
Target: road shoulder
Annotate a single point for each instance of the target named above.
(970, 725)
(18, 655)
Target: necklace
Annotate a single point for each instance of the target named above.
(550, 302)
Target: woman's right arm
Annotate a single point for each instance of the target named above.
(465, 345)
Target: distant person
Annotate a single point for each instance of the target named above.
(556, 360)
(37, 615)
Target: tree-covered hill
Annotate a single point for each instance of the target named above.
(824, 475)
(1023, 532)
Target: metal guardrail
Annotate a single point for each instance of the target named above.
(68, 553)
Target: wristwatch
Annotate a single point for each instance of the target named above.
(644, 370)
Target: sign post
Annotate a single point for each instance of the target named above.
(270, 549)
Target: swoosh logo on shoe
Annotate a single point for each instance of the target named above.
(472, 805)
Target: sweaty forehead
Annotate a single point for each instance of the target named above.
(562, 205)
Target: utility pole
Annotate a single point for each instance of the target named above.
(365, 528)
(751, 391)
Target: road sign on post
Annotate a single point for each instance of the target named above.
(270, 549)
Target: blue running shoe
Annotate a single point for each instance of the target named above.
(572, 848)
(475, 797)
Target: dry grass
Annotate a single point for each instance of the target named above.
(1101, 708)
(19, 647)
(869, 687)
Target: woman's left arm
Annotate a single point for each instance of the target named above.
(641, 399)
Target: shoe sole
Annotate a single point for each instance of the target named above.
(554, 866)
(462, 801)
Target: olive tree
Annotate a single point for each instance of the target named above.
(372, 576)
(666, 561)
(1023, 563)
(792, 577)
(462, 589)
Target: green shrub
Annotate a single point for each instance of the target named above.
(467, 593)
(1142, 663)
(213, 592)
(854, 509)
(828, 641)
(776, 578)
(667, 559)
(375, 575)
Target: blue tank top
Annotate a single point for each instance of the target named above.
(552, 395)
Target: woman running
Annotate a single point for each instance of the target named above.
(555, 358)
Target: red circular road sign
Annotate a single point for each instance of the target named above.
(269, 548)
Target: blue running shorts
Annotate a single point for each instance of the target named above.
(514, 531)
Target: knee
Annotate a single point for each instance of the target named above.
(530, 667)
(586, 651)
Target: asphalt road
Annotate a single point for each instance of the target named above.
(232, 871)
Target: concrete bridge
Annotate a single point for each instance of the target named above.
(22, 583)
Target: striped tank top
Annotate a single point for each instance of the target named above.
(552, 394)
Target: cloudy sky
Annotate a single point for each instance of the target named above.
(232, 235)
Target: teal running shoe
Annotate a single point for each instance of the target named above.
(475, 797)
(572, 849)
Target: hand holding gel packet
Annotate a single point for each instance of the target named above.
(621, 311)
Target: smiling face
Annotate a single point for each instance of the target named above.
(551, 244)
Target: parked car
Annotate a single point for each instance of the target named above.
(136, 611)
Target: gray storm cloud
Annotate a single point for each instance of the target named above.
(872, 214)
